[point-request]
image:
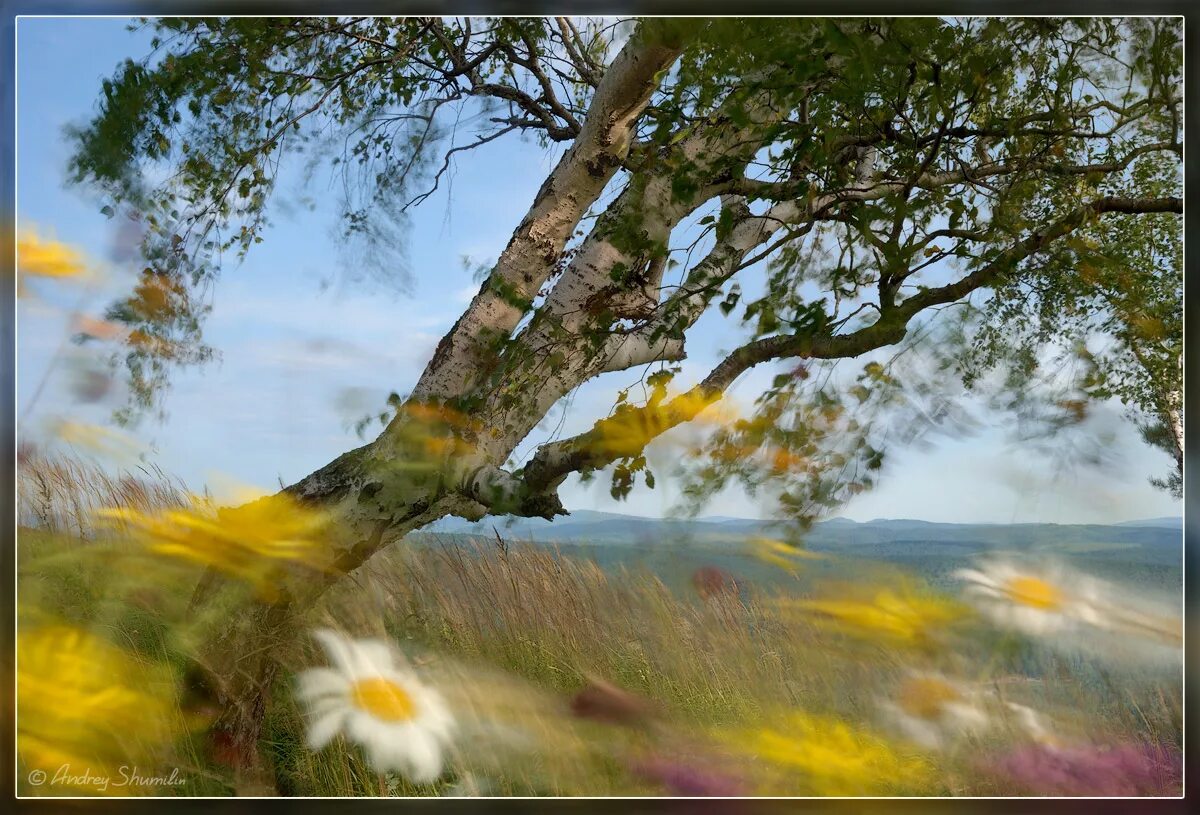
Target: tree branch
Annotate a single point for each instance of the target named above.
(463, 356)
(1008, 259)
(629, 350)
(553, 462)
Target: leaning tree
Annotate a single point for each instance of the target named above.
(874, 172)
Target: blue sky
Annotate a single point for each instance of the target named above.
(305, 349)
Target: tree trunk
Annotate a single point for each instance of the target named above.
(244, 677)
(240, 662)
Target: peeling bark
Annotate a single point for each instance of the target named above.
(465, 353)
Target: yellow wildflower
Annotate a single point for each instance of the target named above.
(250, 542)
(430, 435)
(630, 429)
(826, 756)
(1034, 592)
(899, 618)
(87, 705)
(102, 441)
(48, 257)
(781, 554)
(925, 696)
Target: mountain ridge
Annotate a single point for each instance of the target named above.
(596, 518)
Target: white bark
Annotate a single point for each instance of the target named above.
(560, 348)
(530, 257)
(624, 351)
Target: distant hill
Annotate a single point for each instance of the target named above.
(1170, 521)
(1149, 552)
(614, 528)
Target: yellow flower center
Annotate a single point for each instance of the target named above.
(925, 697)
(1030, 591)
(383, 699)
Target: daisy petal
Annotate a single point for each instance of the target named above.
(322, 731)
(339, 649)
(373, 657)
(317, 682)
(424, 759)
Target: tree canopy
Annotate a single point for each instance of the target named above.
(1025, 171)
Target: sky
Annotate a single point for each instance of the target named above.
(305, 347)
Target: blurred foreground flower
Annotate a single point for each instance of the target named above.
(606, 702)
(688, 779)
(431, 435)
(46, 257)
(402, 724)
(713, 582)
(1121, 770)
(1033, 724)
(249, 542)
(931, 710)
(833, 758)
(629, 429)
(90, 379)
(1059, 600)
(781, 554)
(900, 618)
(102, 441)
(96, 329)
(86, 704)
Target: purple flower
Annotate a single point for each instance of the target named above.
(685, 779)
(1124, 769)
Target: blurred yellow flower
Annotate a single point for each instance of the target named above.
(431, 435)
(925, 696)
(84, 704)
(48, 257)
(899, 618)
(1034, 592)
(932, 710)
(826, 756)
(102, 441)
(781, 554)
(630, 429)
(249, 542)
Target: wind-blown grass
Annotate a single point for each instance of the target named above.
(570, 679)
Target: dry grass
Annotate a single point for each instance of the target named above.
(559, 621)
(511, 631)
(60, 494)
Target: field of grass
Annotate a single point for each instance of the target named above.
(565, 678)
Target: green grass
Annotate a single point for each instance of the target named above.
(509, 636)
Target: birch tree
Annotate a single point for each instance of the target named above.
(879, 170)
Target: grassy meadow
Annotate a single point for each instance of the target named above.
(568, 678)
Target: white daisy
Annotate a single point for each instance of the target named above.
(931, 710)
(1033, 603)
(401, 724)
(1058, 600)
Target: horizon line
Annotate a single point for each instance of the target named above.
(730, 518)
